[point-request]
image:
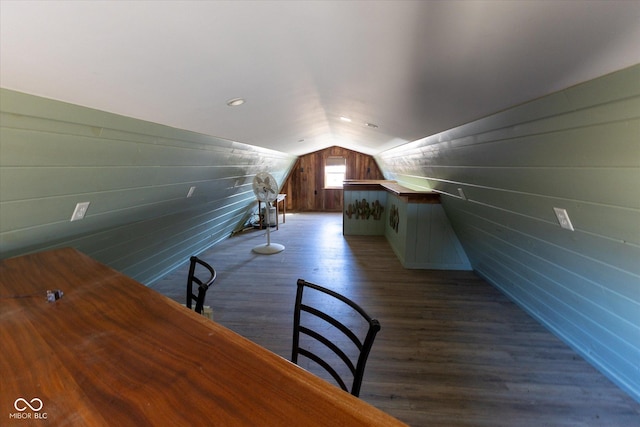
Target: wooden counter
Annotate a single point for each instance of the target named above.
(114, 352)
(394, 188)
(414, 223)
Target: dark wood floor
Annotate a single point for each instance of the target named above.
(452, 350)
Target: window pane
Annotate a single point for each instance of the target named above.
(335, 170)
(334, 179)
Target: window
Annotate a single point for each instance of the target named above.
(335, 169)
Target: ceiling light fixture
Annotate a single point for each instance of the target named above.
(345, 119)
(371, 125)
(235, 102)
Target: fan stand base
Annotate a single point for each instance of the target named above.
(269, 248)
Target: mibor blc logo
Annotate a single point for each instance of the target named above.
(28, 409)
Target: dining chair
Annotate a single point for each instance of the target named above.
(320, 336)
(199, 269)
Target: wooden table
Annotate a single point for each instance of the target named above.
(114, 352)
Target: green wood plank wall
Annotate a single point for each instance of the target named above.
(578, 149)
(136, 175)
(355, 225)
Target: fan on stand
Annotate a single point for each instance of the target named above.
(265, 188)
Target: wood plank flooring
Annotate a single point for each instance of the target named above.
(453, 351)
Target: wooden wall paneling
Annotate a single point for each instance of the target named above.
(551, 182)
(200, 224)
(594, 256)
(581, 146)
(110, 209)
(349, 226)
(360, 226)
(433, 249)
(607, 346)
(576, 149)
(427, 239)
(575, 335)
(397, 238)
(599, 219)
(136, 176)
(332, 200)
(414, 226)
(305, 184)
(525, 254)
(541, 287)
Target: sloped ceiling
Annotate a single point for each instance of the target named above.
(411, 68)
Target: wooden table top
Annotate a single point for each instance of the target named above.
(114, 352)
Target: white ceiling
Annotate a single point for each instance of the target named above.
(413, 68)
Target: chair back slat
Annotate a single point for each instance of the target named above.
(203, 285)
(330, 345)
(326, 366)
(335, 323)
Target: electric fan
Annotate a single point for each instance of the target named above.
(265, 188)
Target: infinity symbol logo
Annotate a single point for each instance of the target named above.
(35, 404)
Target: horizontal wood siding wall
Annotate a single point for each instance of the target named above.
(578, 149)
(136, 175)
(359, 225)
(431, 242)
(305, 186)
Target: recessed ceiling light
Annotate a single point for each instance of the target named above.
(371, 125)
(345, 119)
(235, 102)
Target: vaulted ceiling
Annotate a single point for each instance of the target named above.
(399, 70)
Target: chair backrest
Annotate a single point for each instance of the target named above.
(203, 284)
(311, 317)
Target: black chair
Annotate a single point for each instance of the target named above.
(203, 285)
(346, 345)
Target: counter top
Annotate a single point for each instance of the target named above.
(411, 196)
